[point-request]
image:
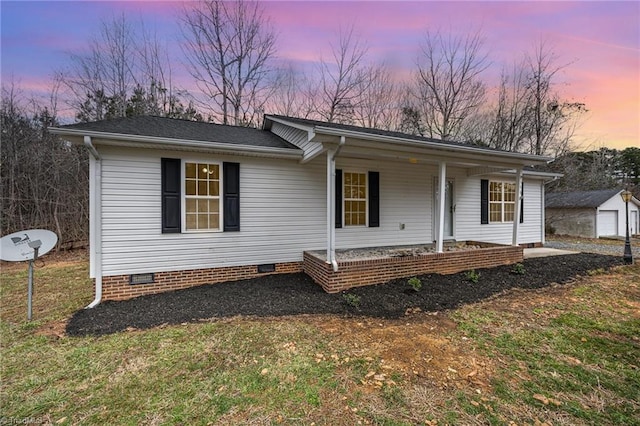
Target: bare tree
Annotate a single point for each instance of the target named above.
(511, 118)
(100, 79)
(343, 80)
(44, 180)
(124, 71)
(379, 101)
(551, 118)
(229, 47)
(447, 84)
(529, 114)
(294, 94)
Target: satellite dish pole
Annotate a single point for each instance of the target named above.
(27, 245)
(35, 245)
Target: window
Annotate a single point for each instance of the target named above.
(502, 201)
(355, 199)
(202, 196)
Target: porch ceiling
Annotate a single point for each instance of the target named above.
(478, 160)
(475, 163)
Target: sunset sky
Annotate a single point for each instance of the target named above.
(598, 41)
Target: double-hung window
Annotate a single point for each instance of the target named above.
(202, 204)
(355, 199)
(502, 201)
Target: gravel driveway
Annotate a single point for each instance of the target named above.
(608, 247)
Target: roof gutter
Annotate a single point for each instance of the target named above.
(183, 143)
(96, 230)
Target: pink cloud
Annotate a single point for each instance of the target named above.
(598, 41)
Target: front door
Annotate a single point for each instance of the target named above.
(449, 209)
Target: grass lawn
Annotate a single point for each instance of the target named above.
(560, 355)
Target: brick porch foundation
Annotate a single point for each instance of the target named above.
(357, 273)
(117, 287)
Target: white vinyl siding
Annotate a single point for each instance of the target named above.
(468, 225)
(282, 212)
(405, 199)
(282, 208)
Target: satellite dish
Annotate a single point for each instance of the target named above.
(20, 246)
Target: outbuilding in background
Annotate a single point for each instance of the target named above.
(591, 214)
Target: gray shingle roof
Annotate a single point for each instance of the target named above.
(578, 199)
(373, 131)
(170, 128)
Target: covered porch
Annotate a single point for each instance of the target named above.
(413, 190)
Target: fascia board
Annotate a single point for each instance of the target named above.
(157, 142)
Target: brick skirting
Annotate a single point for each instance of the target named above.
(352, 273)
(356, 273)
(117, 287)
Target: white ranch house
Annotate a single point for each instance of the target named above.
(177, 203)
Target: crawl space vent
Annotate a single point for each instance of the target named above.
(141, 279)
(267, 267)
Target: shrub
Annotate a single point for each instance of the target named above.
(415, 283)
(518, 269)
(473, 276)
(351, 299)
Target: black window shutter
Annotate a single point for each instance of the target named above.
(338, 198)
(374, 199)
(484, 201)
(231, 195)
(170, 186)
(522, 204)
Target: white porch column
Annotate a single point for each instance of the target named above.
(442, 184)
(331, 208)
(542, 216)
(517, 212)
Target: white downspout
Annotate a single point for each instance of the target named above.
(96, 213)
(331, 208)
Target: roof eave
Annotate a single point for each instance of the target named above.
(524, 159)
(155, 142)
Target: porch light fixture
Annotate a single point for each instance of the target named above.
(628, 256)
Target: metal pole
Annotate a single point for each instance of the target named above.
(30, 290)
(30, 285)
(628, 256)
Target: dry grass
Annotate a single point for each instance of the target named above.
(561, 355)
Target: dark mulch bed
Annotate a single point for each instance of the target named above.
(295, 294)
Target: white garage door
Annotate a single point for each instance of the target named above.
(607, 222)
